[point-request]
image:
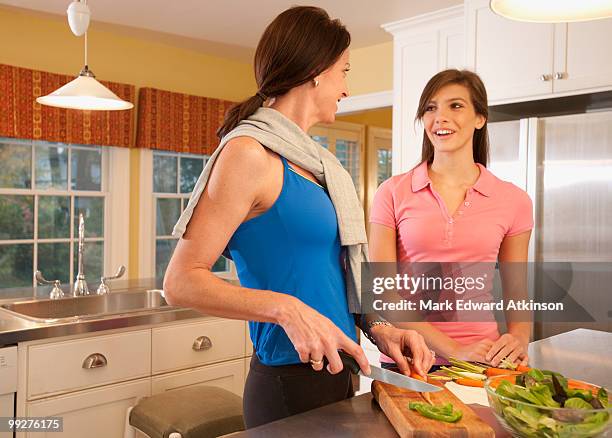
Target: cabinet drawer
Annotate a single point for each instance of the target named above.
(95, 413)
(61, 366)
(174, 347)
(227, 375)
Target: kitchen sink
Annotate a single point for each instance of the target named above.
(89, 307)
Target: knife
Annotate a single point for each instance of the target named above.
(388, 376)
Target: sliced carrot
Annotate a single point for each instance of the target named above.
(418, 377)
(575, 384)
(522, 368)
(470, 382)
(490, 372)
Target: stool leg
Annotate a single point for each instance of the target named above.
(129, 430)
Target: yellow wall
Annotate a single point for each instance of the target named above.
(381, 118)
(371, 69)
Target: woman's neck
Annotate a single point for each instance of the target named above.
(296, 108)
(457, 168)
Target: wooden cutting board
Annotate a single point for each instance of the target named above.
(408, 423)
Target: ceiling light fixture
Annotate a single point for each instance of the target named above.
(84, 92)
(552, 11)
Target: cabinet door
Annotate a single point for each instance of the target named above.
(92, 413)
(227, 375)
(514, 59)
(582, 55)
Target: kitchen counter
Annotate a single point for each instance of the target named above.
(14, 329)
(581, 354)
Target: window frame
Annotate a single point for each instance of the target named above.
(148, 217)
(114, 178)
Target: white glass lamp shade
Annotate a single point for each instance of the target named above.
(85, 93)
(552, 11)
(78, 17)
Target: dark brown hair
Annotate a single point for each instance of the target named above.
(478, 95)
(301, 43)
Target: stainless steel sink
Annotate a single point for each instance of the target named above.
(89, 307)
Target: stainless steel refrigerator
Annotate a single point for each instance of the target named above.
(564, 162)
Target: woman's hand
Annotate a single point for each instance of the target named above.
(508, 346)
(399, 343)
(474, 352)
(315, 337)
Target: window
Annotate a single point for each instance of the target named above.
(346, 141)
(43, 188)
(173, 178)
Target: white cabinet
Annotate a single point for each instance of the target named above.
(129, 364)
(94, 413)
(423, 46)
(520, 61)
(583, 56)
(227, 375)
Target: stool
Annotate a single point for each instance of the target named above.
(191, 412)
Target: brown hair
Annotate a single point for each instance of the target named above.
(301, 43)
(478, 94)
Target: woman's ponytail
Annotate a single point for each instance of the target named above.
(239, 112)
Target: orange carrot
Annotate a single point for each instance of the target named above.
(490, 372)
(417, 376)
(470, 382)
(522, 368)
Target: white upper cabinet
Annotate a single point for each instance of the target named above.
(525, 61)
(514, 59)
(583, 56)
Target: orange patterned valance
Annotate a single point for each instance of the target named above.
(179, 122)
(22, 117)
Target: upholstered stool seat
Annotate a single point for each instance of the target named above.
(192, 412)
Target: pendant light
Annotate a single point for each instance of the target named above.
(84, 92)
(552, 11)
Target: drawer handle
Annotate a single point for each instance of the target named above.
(202, 343)
(95, 360)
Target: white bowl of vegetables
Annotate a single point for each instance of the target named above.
(540, 403)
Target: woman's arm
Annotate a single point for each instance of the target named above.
(512, 257)
(237, 184)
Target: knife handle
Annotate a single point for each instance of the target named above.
(349, 362)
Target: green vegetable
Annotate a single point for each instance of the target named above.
(577, 403)
(602, 396)
(548, 389)
(441, 413)
(584, 394)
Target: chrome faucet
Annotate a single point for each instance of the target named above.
(80, 285)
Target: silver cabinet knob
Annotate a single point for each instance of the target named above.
(560, 75)
(545, 78)
(95, 360)
(202, 343)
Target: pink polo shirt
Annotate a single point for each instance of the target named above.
(426, 232)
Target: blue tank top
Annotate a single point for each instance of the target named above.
(293, 248)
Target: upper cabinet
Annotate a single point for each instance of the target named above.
(525, 61)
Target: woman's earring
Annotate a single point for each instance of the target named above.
(316, 82)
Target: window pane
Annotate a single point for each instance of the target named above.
(163, 252)
(16, 217)
(168, 212)
(53, 217)
(323, 141)
(383, 166)
(15, 166)
(54, 261)
(190, 171)
(221, 265)
(86, 168)
(16, 268)
(51, 167)
(348, 154)
(94, 263)
(164, 174)
(93, 214)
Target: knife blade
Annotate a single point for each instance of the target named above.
(388, 376)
